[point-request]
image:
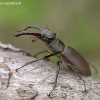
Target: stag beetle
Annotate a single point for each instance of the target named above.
(66, 54)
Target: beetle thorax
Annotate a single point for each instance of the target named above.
(57, 46)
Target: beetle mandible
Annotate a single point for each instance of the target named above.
(66, 54)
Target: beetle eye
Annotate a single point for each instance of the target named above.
(44, 38)
(51, 38)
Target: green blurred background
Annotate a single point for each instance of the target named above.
(76, 22)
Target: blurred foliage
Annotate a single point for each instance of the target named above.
(75, 21)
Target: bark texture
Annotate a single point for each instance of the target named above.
(35, 81)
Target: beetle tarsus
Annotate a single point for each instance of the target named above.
(29, 63)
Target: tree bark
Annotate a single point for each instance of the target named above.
(35, 81)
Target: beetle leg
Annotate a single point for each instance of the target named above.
(73, 68)
(96, 72)
(58, 69)
(47, 50)
(44, 57)
(41, 52)
(10, 74)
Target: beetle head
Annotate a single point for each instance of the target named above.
(46, 35)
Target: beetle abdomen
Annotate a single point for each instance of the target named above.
(73, 57)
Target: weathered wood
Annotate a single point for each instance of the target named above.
(35, 81)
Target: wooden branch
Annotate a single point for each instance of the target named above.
(35, 81)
